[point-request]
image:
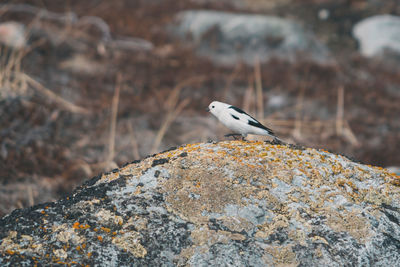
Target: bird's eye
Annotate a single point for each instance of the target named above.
(213, 106)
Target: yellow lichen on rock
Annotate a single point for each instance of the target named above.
(60, 253)
(351, 222)
(11, 244)
(212, 203)
(8, 243)
(281, 256)
(130, 242)
(107, 217)
(265, 230)
(67, 234)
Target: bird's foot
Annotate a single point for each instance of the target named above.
(277, 141)
(235, 136)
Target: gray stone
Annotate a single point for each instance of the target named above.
(291, 206)
(377, 34)
(228, 38)
(12, 34)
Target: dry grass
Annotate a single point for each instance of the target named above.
(340, 111)
(113, 123)
(342, 126)
(63, 104)
(109, 163)
(134, 142)
(229, 82)
(248, 98)
(11, 85)
(298, 125)
(259, 90)
(173, 107)
(300, 129)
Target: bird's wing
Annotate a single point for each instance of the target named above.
(239, 114)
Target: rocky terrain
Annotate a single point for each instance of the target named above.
(86, 86)
(217, 204)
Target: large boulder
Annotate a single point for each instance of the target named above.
(217, 204)
(378, 34)
(228, 38)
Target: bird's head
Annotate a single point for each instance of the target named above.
(215, 107)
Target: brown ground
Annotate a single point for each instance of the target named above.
(46, 148)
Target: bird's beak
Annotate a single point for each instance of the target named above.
(207, 109)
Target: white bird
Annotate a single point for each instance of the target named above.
(238, 121)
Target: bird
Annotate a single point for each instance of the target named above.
(238, 121)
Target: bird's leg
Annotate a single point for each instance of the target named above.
(243, 138)
(277, 141)
(232, 134)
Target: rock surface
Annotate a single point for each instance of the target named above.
(228, 38)
(12, 34)
(217, 204)
(377, 34)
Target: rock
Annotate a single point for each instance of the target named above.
(394, 169)
(217, 204)
(12, 34)
(255, 5)
(377, 34)
(228, 38)
(81, 64)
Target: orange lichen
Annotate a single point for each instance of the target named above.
(343, 183)
(138, 190)
(105, 229)
(255, 166)
(84, 226)
(76, 225)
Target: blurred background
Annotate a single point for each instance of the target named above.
(86, 86)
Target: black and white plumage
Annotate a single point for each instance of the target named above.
(237, 120)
